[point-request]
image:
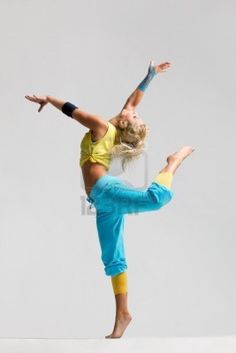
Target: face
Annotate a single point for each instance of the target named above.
(131, 115)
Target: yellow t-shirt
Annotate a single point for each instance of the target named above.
(98, 151)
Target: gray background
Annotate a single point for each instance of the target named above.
(181, 259)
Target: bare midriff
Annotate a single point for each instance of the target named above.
(91, 173)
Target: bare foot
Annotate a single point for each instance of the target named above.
(177, 158)
(121, 323)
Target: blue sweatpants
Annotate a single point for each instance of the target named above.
(113, 199)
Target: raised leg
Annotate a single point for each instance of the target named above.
(165, 176)
(175, 159)
(121, 199)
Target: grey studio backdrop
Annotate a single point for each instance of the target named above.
(181, 259)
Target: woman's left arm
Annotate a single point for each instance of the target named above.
(136, 97)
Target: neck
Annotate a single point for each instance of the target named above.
(114, 120)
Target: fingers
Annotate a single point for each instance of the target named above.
(31, 99)
(28, 97)
(167, 64)
(35, 99)
(164, 66)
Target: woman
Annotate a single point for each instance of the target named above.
(122, 136)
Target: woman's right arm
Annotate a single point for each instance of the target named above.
(91, 121)
(58, 103)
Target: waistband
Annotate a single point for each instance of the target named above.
(99, 185)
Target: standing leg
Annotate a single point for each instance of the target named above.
(110, 228)
(110, 231)
(123, 317)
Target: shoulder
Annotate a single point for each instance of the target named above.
(111, 126)
(105, 130)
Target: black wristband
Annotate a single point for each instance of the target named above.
(68, 108)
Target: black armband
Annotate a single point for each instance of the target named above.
(68, 108)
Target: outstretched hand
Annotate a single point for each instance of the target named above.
(159, 68)
(40, 100)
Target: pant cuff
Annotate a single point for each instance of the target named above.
(115, 270)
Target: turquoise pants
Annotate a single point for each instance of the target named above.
(112, 200)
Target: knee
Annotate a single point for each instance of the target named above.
(160, 195)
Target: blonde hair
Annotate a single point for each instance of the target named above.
(129, 144)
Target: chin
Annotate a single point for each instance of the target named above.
(123, 114)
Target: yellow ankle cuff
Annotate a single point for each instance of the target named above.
(119, 283)
(164, 178)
